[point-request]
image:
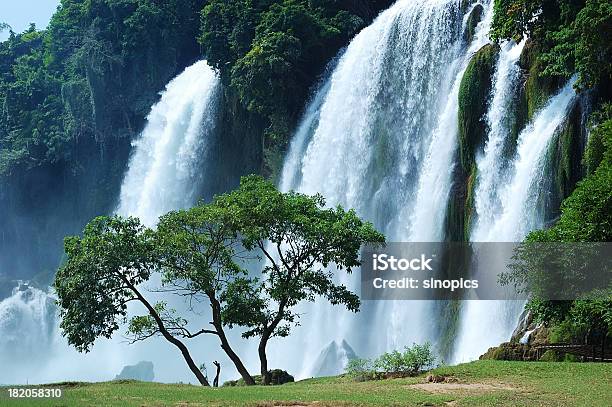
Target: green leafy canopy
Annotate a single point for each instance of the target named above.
(202, 254)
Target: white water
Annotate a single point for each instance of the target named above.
(508, 213)
(383, 142)
(165, 172)
(520, 214)
(491, 164)
(26, 323)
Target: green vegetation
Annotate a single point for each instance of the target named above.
(483, 383)
(538, 87)
(270, 52)
(472, 22)
(200, 254)
(92, 74)
(300, 240)
(574, 34)
(73, 97)
(474, 95)
(412, 360)
(473, 102)
(276, 377)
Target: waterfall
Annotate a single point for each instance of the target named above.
(382, 142)
(165, 172)
(492, 168)
(165, 169)
(519, 214)
(507, 208)
(26, 325)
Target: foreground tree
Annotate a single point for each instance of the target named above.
(108, 265)
(302, 243)
(197, 253)
(201, 255)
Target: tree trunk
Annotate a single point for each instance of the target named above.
(216, 311)
(216, 381)
(263, 360)
(263, 342)
(162, 329)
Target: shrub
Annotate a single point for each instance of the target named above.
(411, 361)
(550, 356)
(360, 369)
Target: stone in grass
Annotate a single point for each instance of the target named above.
(434, 378)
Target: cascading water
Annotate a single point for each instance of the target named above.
(491, 164)
(27, 326)
(165, 172)
(519, 214)
(166, 167)
(507, 211)
(383, 142)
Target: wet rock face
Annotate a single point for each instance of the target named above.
(473, 19)
(474, 92)
(473, 102)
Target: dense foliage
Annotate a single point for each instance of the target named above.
(31, 125)
(93, 73)
(570, 36)
(71, 99)
(272, 51)
(575, 34)
(302, 243)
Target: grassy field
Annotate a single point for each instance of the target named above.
(482, 383)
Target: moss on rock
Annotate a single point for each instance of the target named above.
(474, 94)
(511, 351)
(538, 88)
(567, 155)
(465, 4)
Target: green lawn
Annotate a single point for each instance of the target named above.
(482, 383)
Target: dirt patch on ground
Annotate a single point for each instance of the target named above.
(445, 388)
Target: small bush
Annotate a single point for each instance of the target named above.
(411, 361)
(550, 356)
(391, 362)
(360, 369)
